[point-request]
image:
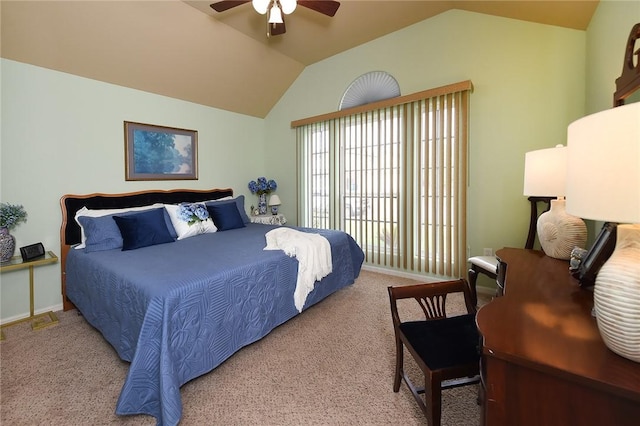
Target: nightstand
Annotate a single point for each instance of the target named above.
(16, 263)
(269, 219)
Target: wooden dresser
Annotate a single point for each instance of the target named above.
(543, 360)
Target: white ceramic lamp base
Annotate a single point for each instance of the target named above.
(617, 295)
(559, 232)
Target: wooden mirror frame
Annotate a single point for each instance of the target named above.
(629, 80)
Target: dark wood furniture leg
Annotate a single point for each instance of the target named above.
(531, 236)
(473, 278)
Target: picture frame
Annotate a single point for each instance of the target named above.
(597, 255)
(154, 152)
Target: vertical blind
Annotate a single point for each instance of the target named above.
(393, 175)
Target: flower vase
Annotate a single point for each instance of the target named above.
(262, 204)
(7, 245)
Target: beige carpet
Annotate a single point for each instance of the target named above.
(331, 365)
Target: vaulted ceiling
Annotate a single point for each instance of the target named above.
(186, 50)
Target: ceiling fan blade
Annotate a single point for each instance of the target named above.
(276, 29)
(221, 6)
(326, 7)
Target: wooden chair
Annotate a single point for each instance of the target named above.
(487, 265)
(446, 348)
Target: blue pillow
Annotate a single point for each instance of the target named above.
(143, 229)
(239, 201)
(225, 216)
(167, 221)
(102, 233)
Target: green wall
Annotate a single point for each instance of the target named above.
(607, 36)
(606, 40)
(529, 84)
(531, 81)
(64, 134)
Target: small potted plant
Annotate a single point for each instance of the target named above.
(11, 215)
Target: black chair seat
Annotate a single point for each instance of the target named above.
(444, 343)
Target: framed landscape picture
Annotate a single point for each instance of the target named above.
(160, 153)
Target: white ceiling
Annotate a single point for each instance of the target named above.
(186, 50)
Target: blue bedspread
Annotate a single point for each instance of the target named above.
(176, 311)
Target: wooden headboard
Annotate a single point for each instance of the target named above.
(70, 233)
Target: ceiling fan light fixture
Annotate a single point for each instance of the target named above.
(275, 16)
(288, 6)
(261, 6)
(274, 10)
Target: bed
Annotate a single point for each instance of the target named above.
(177, 310)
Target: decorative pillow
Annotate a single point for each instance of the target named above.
(101, 233)
(106, 212)
(226, 216)
(228, 197)
(182, 225)
(239, 201)
(143, 229)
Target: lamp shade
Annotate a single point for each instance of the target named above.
(261, 6)
(274, 200)
(603, 180)
(288, 6)
(545, 172)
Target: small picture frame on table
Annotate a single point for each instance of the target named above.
(597, 255)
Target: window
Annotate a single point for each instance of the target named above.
(392, 175)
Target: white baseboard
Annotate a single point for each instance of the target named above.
(54, 308)
(486, 290)
(402, 274)
(426, 278)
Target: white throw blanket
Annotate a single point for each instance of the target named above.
(313, 252)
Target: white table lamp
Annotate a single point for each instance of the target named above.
(274, 202)
(603, 183)
(545, 172)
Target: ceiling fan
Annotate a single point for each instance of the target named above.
(276, 8)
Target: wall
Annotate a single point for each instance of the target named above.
(64, 134)
(607, 36)
(606, 40)
(529, 84)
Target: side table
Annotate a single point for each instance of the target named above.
(16, 263)
(269, 219)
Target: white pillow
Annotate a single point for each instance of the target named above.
(99, 213)
(183, 229)
(228, 197)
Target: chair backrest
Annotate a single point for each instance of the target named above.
(431, 297)
(501, 278)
